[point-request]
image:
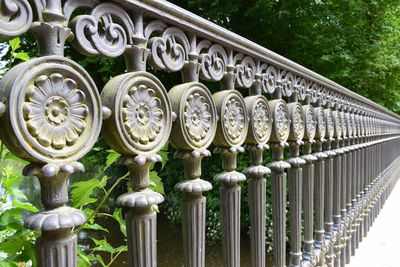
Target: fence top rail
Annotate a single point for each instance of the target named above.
(177, 16)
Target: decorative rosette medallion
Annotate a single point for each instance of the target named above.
(337, 124)
(329, 120)
(297, 127)
(321, 125)
(349, 123)
(53, 110)
(233, 120)
(281, 121)
(342, 116)
(260, 127)
(353, 118)
(310, 123)
(196, 122)
(141, 120)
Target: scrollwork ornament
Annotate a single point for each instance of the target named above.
(260, 126)
(213, 63)
(310, 123)
(53, 110)
(106, 30)
(288, 84)
(246, 72)
(142, 114)
(297, 121)
(196, 123)
(233, 121)
(15, 17)
(170, 51)
(321, 125)
(281, 121)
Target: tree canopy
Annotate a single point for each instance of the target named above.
(353, 42)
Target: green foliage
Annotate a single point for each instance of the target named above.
(353, 42)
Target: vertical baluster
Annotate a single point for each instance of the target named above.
(328, 191)
(349, 177)
(257, 136)
(308, 184)
(295, 177)
(343, 188)
(193, 131)
(319, 185)
(354, 186)
(280, 133)
(37, 121)
(337, 181)
(131, 97)
(231, 134)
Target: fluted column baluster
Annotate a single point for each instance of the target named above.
(319, 186)
(258, 135)
(337, 186)
(328, 187)
(308, 184)
(280, 133)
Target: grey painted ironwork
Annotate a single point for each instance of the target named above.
(51, 114)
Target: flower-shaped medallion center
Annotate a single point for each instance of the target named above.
(282, 121)
(234, 118)
(57, 110)
(197, 116)
(261, 120)
(143, 114)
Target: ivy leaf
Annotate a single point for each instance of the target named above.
(100, 260)
(96, 227)
(11, 215)
(156, 183)
(102, 245)
(111, 158)
(117, 215)
(15, 43)
(83, 259)
(13, 243)
(81, 193)
(22, 55)
(24, 205)
(164, 155)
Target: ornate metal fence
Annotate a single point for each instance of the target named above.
(52, 114)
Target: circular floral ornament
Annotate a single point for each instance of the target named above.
(297, 118)
(53, 110)
(196, 122)
(343, 123)
(141, 120)
(261, 120)
(321, 125)
(281, 121)
(330, 127)
(353, 118)
(233, 120)
(337, 124)
(349, 123)
(310, 123)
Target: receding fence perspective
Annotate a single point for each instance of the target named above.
(344, 148)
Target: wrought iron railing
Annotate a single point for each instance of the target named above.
(52, 114)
